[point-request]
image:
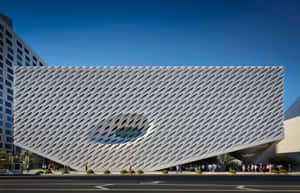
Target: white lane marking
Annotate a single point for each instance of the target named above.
(102, 187)
(241, 187)
(153, 182)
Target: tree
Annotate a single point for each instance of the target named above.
(3, 155)
(30, 158)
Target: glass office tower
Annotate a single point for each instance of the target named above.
(13, 51)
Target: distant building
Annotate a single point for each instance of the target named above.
(149, 117)
(13, 52)
(290, 145)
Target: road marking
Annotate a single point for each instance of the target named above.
(153, 182)
(241, 187)
(102, 187)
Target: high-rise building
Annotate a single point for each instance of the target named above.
(13, 52)
(150, 117)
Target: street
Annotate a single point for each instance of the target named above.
(158, 183)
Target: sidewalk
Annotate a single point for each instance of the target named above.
(81, 173)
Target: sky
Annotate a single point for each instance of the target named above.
(163, 33)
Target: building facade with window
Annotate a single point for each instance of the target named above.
(149, 117)
(13, 52)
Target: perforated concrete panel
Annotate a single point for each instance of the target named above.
(150, 117)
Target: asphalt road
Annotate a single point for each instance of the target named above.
(80, 184)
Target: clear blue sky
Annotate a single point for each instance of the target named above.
(144, 32)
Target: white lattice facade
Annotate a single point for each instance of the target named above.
(150, 117)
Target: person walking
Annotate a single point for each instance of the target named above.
(86, 167)
(177, 169)
(243, 168)
(27, 168)
(130, 167)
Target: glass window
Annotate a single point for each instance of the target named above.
(9, 98)
(1, 27)
(19, 51)
(8, 83)
(34, 64)
(1, 43)
(9, 118)
(27, 58)
(8, 34)
(8, 111)
(1, 123)
(1, 64)
(1, 50)
(8, 125)
(19, 64)
(1, 102)
(10, 50)
(1, 35)
(1, 116)
(9, 139)
(1, 57)
(19, 57)
(11, 78)
(1, 108)
(27, 64)
(8, 146)
(1, 93)
(1, 79)
(1, 131)
(41, 64)
(26, 50)
(10, 91)
(19, 44)
(9, 42)
(10, 70)
(8, 132)
(8, 63)
(10, 57)
(34, 58)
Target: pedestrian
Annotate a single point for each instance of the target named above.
(270, 167)
(130, 167)
(260, 167)
(209, 167)
(28, 168)
(86, 167)
(180, 168)
(243, 168)
(214, 167)
(177, 169)
(289, 168)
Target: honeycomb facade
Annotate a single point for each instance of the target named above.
(149, 117)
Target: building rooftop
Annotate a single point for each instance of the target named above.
(7, 20)
(294, 110)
